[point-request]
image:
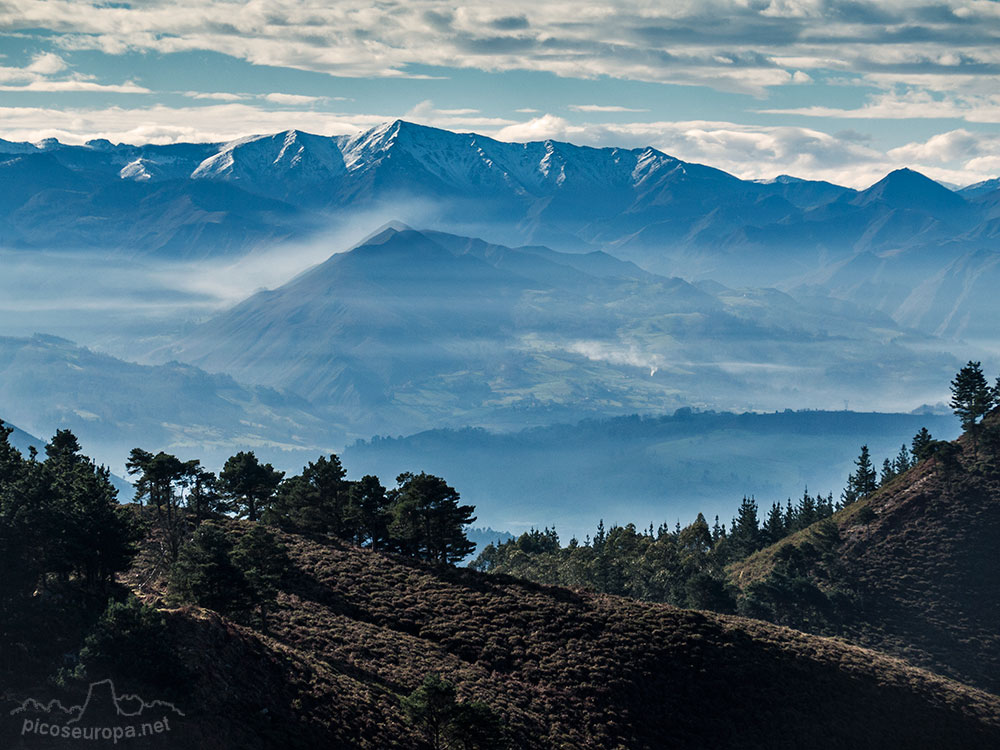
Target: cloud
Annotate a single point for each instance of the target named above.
(602, 108)
(733, 45)
(74, 85)
(221, 96)
(47, 64)
(425, 113)
(292, 99)
(762, 152)
(161, 124)
(909, 105)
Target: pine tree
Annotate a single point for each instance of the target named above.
(96, 536)
(774, 526)
(317, 500)
(430, 709)
(249, 484)
(745, 535)
(162, 479)
(903, 461)
(971, 395)
(718, 531)
(369, 511)
(921, 444)
(888, 472)
(204, 572)
(864, 481)
(806, 512)
(427, 520)
(263, 561)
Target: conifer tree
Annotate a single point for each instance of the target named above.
(204, 572)
(249, 484)
(427, 520)
(745, 534)
(315, 500)
(263, 561)
(774, 526)
(162, 479)
(888, 472)
(369, 511)
(806, 512)
(96, 534)
(921, 444)
(971, 395)
(902, 462)
(430, 708)
(864, 481)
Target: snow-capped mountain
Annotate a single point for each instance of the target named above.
(667, 215)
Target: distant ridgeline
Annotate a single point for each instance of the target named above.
(649, 469)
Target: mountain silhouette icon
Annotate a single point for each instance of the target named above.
(101, 706)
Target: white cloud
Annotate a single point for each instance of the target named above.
(910, 104)
(162, 124)
(756, 152)
(602, 108)
(425, 113)
(47, 64)
(955, 145)
(75, 85)
(738, 45)
(291, 99)
(220, 96)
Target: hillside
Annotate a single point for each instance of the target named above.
(919, 557)
(412, 330)
(354, 630)
(47, 383)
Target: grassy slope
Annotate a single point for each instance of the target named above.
(925, 568)
(354, 630)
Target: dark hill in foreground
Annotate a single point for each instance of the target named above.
(920, 557)
(355, 630)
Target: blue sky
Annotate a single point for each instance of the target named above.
(843, 90)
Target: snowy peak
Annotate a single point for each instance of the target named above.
(274, 162)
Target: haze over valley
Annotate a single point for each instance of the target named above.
(294, 293)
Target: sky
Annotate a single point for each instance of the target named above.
(842, 90)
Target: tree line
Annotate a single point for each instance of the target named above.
(686, 566)
(421, 516)
(64, 538)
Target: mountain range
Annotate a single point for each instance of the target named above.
(903, 245)
(412, 330)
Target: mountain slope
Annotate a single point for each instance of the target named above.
(114, 406)
(414, 330)
(920, 557)
(353, 631)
